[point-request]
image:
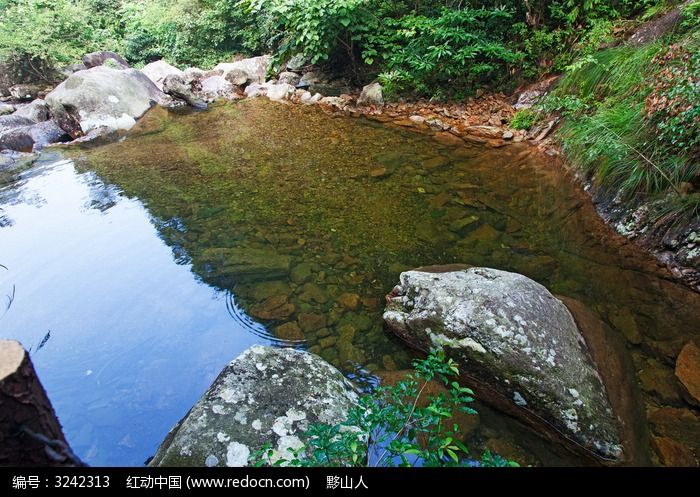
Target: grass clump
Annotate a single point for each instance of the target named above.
(633, 115)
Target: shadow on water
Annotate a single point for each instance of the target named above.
(302, 222)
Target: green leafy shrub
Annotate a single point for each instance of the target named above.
(524, 119)
(396, 426)
(455, 50)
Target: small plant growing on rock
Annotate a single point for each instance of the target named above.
(524, 119)
(398, 425)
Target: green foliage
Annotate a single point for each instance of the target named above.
(396, 426)
(37, 35)
(188, 32)
(673, 106)
(458, 50)
(524, 119)
(633, 116)
(315, 28)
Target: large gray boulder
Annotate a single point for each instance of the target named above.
(516, 343)
(255, 67)
(265, 396)
(105, 57)
(102, 98)
(157, 72)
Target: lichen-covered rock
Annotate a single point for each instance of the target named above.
(23, 92)
(238, 77)
(6, 109)
(513, 338)
(102, 97)
(13, 121)
(265, 396)
(157, 72)
(256, 90)
(371, 95)
(215, 87)
(185, 87)
(291, 78)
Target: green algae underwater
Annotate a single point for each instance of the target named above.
(306, 219)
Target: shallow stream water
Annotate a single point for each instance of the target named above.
(155, 260)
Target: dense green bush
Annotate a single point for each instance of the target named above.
(38, 35)
(454, 52)
(632, 115)
(189, 32)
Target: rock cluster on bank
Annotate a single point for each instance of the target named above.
(103, 94)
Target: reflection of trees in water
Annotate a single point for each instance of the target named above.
(172, 231)
(5, 222)
(101, 197)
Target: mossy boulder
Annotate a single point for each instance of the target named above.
(516, 343)
(265, 396)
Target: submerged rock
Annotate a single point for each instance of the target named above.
(516, 341)
(242, 263)
(265, 396)
(102, 97)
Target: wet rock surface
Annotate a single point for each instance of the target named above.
(265, 396)
(510, 333)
